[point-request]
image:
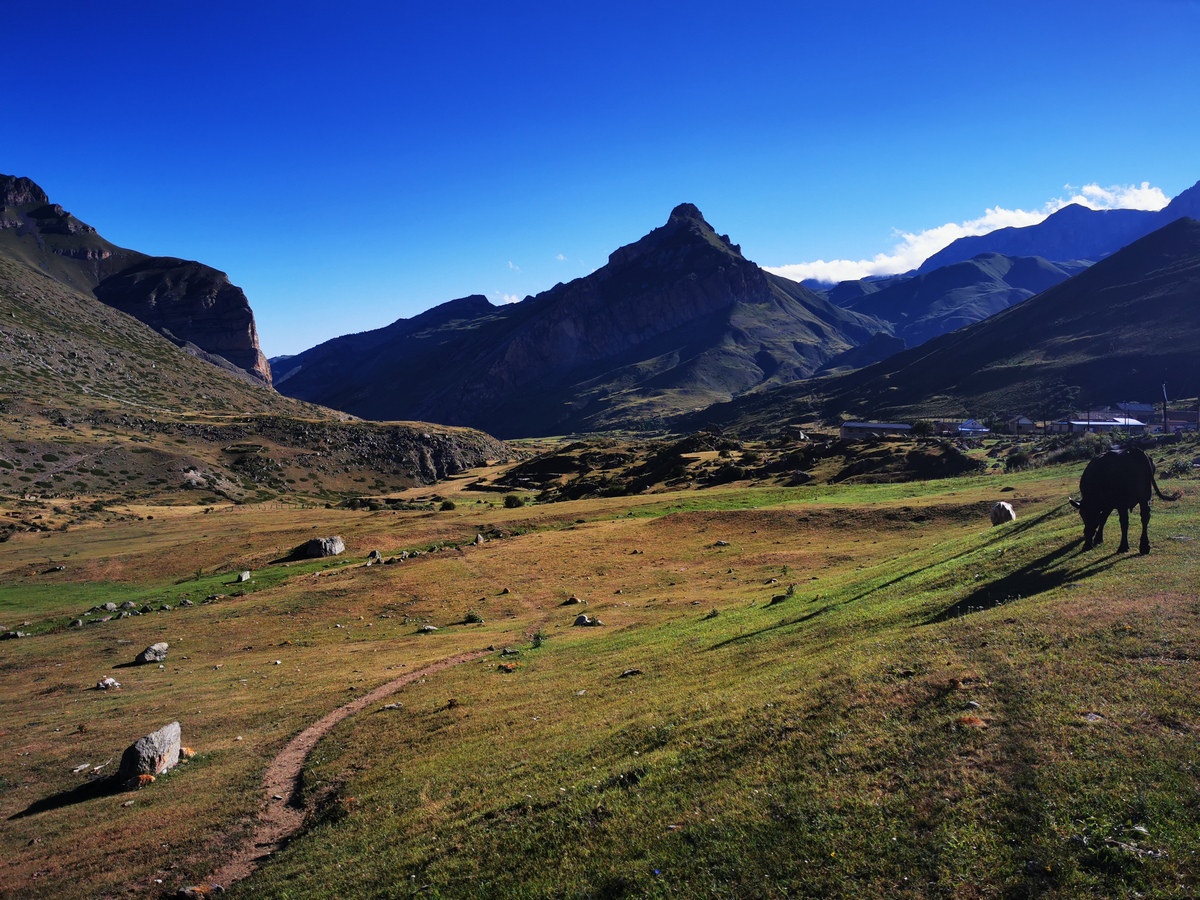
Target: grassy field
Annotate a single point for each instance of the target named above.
(843, 690)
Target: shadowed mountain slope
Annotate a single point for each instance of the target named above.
(959, 294)
(675, 321)
(1119, 329)
(1072, 233)
(192, 304)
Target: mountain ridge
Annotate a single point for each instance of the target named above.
(193, 304)
(676, 319)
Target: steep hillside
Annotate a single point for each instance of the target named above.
(1119, 329)
(192, 304)
(97, 405)
(1073, 233)
(675, 321)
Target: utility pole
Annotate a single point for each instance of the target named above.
(1164, 407)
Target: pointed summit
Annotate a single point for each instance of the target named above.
(687, 211)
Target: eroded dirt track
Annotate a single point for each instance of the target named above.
(282, 819)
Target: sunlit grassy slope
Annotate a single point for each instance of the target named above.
(937, 708)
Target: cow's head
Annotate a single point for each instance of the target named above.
(1091, 522)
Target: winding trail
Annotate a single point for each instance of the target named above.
(282, 819)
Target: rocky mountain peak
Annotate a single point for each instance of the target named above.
(685, 230)
(20, 191)
(688, 211)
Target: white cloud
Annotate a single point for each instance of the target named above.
(913, 248)
(506, 298)
(514, 266)
(560, 258)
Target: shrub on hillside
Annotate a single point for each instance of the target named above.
(512, 501)
(447, 505)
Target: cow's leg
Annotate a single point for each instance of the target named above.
(1144, 546)
(1123, 515)
(1098, 538)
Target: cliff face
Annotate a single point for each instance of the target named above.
(192, 304)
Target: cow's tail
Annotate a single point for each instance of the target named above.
(1154, 482)
(1161, 495)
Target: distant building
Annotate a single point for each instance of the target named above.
(1020, 425)
(1098, 425)
(973, 428)
(857, 430)
(1141, 410)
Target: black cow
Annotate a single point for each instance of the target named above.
(1120, 480)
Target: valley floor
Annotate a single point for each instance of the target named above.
(821, 691)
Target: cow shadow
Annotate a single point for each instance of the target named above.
(91, 790)
(1036, 577)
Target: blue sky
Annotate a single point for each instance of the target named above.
(350, 164)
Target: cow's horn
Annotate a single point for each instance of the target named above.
(1073, 502)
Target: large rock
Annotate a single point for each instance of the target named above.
(320, 547)
(152, 654)
(151, 755)
(1002, 512)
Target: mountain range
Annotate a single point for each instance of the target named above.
(1074, 233)
(1118, 330)
(675, 321)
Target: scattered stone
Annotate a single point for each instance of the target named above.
(505, 591)
(778, 598)
(128, 604)
(12, 635)
(393, 706)
(721, 544)
(243, 576)
(108, 683)
(128, 614)
(146, 609)
(128, 803)
(712, 614)
(1002, 512)
(77, 623)
(149, 756)
(572, 600)
(109, 607)
(317, 548)
(972, 704)
(186, 602)
(427, 629)
(155, 653)
(199, 891)
(1094, 717)
(586, 621)
(629, 673)
(164, 607)
(186, 753)
(80, 768)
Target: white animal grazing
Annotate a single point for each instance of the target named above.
(1002, 512)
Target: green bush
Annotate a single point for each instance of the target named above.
(512, 501)
(447, 505)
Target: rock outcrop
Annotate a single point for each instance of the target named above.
(189, 302)
(318, 548)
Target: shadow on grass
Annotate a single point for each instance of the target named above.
(1041, 575)
(786, 623)
(100, 787)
